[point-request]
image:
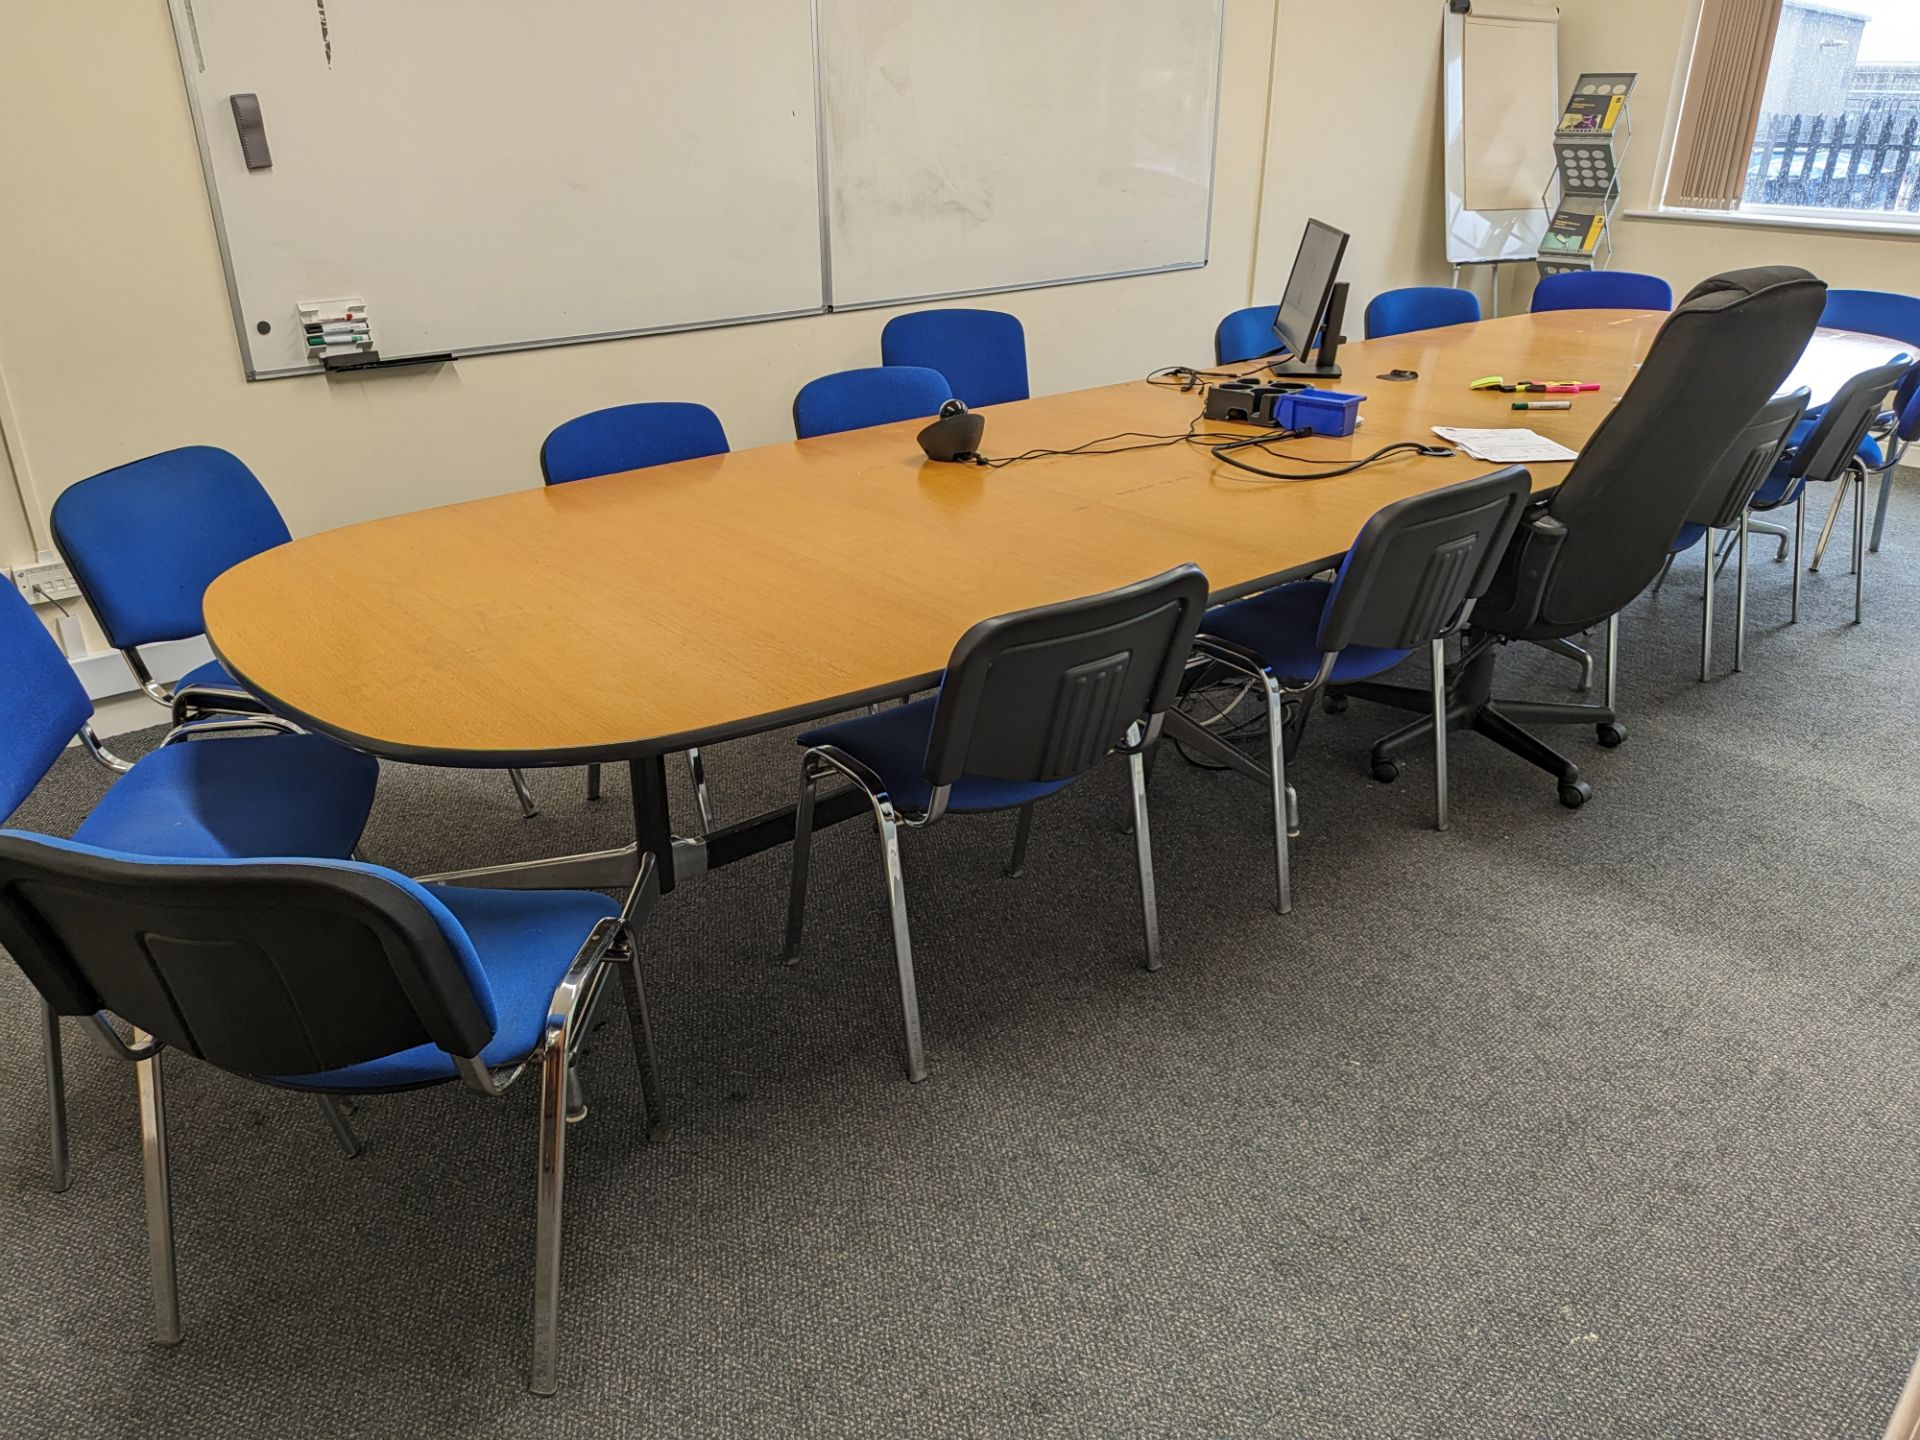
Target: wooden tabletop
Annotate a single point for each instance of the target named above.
(640, 613)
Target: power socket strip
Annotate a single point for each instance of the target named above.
(45, 581)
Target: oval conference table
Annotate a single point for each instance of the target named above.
(703, 601)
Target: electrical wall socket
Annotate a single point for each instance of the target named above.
(44, 581)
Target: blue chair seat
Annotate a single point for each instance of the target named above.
(1779, 489)
(238, 798)
(893, 744)
(1282, 627)
(525, 941)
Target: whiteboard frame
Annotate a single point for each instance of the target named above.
(187, 46)
(1060, 281)
(1515, 234)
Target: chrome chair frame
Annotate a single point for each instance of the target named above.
(1286, 815)
(1856, 481)
(611, 942)
(824, 760)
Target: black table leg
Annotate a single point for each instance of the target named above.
(652, 827)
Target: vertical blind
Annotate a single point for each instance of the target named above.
(1726, 79)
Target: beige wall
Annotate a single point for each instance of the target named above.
(1362, 154)
(1647, 36)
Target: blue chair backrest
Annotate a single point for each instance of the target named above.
(145, 540)
(983, 353)
(878, 395)
(279, 967)
(42, 702)
(631, 437)
(1420, 307)
(1247, 335)
(1602, 290)
(1893, 317)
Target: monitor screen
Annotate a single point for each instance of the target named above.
(1316, 269)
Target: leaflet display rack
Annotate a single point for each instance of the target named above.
(1596, 130)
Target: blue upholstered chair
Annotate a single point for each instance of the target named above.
(636, 437)
(1409, 582)
(631, 437)
(1723, 504)
(859, 399)
(1247, 335)
(214, 798)
(1030, 702)
(146, 539)
(1420, 307)
(1602, 290)
(1834, 446)
(1893, 317)
(328, 977)
(982, 353)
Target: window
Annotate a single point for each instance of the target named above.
(1839, 128)
(1802, 108)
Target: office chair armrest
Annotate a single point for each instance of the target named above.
(1520, 586)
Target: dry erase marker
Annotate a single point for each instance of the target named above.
(1543, 404)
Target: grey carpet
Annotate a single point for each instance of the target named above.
(1559, 1124)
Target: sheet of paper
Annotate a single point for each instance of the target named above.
(1506, 446)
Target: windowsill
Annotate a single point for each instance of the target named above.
(1885, 229)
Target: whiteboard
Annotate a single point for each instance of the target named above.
(1502, 109)
(488, 174)
(995, 144)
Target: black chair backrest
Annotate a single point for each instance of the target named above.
(1845, 422)
(277, 968)
(1749, 461)
(1044, 694)
(1418, 561)
(1718, 359)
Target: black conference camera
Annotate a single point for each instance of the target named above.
(955, 435)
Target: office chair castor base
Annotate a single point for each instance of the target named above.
(1385, 771)
(1612, 735)
(1575, 793)
(1335, 704)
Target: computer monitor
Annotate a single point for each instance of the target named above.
(1308, 306)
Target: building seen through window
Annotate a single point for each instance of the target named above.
(1840, 123)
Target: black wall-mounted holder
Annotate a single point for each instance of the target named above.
(253, 131)
(370, 360)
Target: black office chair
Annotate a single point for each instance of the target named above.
(1031, 702)
(1746, 466)
(1830, 454)
(1410, 580)
(1599, 540)
(329, 977)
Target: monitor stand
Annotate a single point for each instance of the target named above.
(1296, 370)
(1322, 367)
